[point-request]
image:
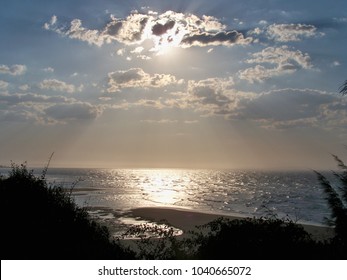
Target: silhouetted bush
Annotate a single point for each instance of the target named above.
(248, 239)
(255, 238)
(157, 242)
(43, 222)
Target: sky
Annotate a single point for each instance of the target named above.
(173, 84)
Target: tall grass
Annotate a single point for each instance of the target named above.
(336, 197)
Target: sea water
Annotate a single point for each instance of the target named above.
(296, 195)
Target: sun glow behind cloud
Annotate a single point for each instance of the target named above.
(156, 33)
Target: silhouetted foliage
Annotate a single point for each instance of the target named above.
(255, 238)
(249, 239)
(156, 242)
(43, 222)
(337, 201)
(343, 88)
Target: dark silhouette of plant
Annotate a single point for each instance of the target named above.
(343, 88)
(254, 238)
(250, 238)
(43, 222)
(157, 241)
(336, 197)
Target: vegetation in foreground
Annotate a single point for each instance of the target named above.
(43, 222)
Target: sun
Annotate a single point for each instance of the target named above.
(168, 41)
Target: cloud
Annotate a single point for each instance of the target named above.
(162, 121)
(72, 111)
(210, 91)
(3, 85)
(24, 87)
(45, 109)
(49, 69)
(159, 29)
(207, 97)
(136, 77)
(75, 31)
(283, 59)
(15, 70)
(291, 32)
(287, 108)
(31, 98)
(166, 29)
(226, 38)
(130, 30)
(335, 63)
(17, 116)
(276, 109)
(56, 85)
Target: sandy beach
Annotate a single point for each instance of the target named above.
(186, 219)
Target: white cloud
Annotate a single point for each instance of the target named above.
(15, 70)
(283, 59)
(75, 31)
(291, 32)
(56, 85)
(137, 78)
(335, 63)
(49, 69)
(51, 23)
(121, 52)
(281, 56)
(137, 50)
(24, 87)
(3, 85)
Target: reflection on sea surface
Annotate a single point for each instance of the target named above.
(111, 193)
(250, 193)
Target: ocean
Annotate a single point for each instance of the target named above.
(296, 195)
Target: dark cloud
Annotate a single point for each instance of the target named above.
(220, 38)
(73, 111)
(159, 29)
(287, 108)
(112, 29)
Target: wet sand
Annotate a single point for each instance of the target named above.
(186, 219)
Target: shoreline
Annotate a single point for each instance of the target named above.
(187, 219)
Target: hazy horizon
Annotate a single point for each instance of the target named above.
(183, 84)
